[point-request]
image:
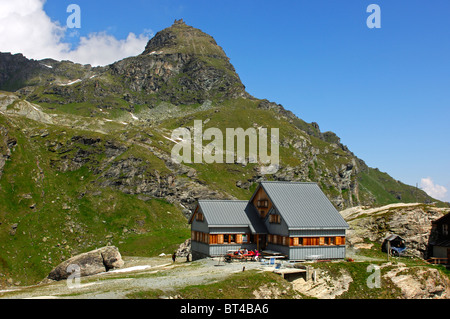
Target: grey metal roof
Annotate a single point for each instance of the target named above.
(392, 237)
(232, 213)
(224, 212)
(303, 205)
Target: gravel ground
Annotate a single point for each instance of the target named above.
(137, 274)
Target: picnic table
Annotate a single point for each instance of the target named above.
(236, 255)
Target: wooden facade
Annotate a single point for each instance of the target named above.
(262, 202)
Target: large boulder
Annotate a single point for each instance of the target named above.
(184, 249)
(90, 263)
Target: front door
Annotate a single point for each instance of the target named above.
(262, 242)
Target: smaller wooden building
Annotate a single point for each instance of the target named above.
(440, 245)
(392, 241)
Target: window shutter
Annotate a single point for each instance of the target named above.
(220, 239)
(239, 239)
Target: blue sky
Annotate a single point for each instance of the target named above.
(385, 92)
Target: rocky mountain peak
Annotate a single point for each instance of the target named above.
(184, 39)
(180, 22)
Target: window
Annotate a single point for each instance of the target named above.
(321, 241)
(200, 217)
(445, 229)
(275, 219)
(229, 239)
(280, 240)
(340, 240)
(272, 239)
(200, 237)
(262, 203)
(316, 241)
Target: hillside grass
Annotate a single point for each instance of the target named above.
(382, 189)
(60, 214)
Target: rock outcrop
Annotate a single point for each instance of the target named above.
(184, 249)
(419, 283)
(90, 263)
(7, 144)
(412, 222)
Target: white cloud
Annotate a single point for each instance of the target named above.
(432, 189)
(102, 48)
(25, 28)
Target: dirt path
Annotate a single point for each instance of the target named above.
(137, 274)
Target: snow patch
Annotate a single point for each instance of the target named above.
(135, 268)
(71, 83)
(176, 142)
(34, 107)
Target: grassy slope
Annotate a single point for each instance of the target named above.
(71, 215)
(386, 190)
